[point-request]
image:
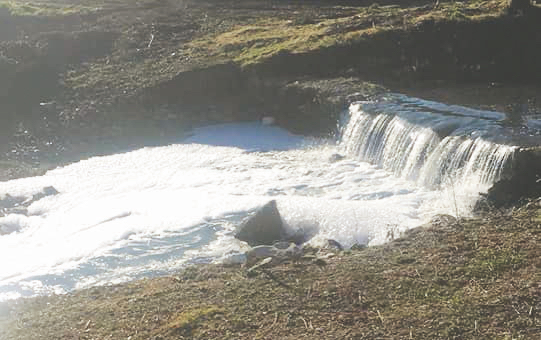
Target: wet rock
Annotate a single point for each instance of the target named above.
(335, 157)
(443, 220)
(299, 237)
(234, 259)
(10, 201)
(358, 247)
(263, 228)
(6, 229)
(333, 245)
(47, 191)
(309, 249)
(282, 244)
(276, 254)
(18, 205)
(523, 183)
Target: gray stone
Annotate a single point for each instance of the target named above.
(263, 228)
(335, 157)
(443, 220)
(358, 247)
(277, 255)
(520, 183)
(333, 245)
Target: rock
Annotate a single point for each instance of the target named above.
(276, 254)
(9, 201)
(47, 191)
(358, 247)
(282, 244)
(333, 245)
(299, 237)
(233, 259)
(443, 220)
(8, 228)
(335, 157)
(522, 183)
(18, 205)
(263, 228)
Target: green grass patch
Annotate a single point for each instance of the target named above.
(248, 44)
(267, 38)
(490, 263)
(189, 319)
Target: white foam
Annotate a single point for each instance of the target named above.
(152, 210)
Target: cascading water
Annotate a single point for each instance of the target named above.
(153, 210)
(430, 147)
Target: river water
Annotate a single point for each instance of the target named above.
(151, 211)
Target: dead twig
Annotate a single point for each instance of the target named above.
(380, 316)
(305, 323)
(275, 319)
(151, 40)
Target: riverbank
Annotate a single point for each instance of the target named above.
(476, 278)
(75, 74)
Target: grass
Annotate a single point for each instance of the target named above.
(256, 42)
(479, 279)
(223, 37)
(50, 9)
(251, 44)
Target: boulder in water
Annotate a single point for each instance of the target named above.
(335, 157)
(263, 228)
(47, 191)
(522, 184)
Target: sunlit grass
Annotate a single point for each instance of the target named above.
(248, 44)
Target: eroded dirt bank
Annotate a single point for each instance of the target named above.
(78, 69)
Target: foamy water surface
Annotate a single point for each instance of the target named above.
(151, 211)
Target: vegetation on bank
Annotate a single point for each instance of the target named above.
(158, 40)
(477, 278)
(145, 44)
(250, 37)
(44, 9)
(253, 43)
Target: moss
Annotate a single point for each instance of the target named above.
(189, 319)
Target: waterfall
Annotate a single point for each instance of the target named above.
(430, 143)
